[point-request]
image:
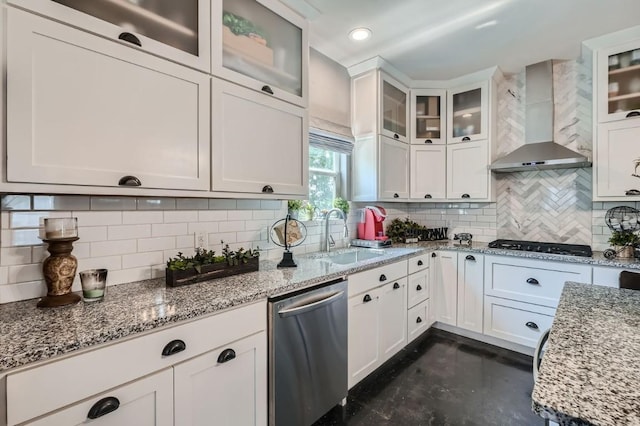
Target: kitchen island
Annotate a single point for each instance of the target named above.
(590, 373)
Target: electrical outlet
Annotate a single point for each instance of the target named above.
(201, 239)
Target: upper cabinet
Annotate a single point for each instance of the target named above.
(468, 113)
(618, 82)
(379, 106)
(261, 45)
(428, 107)
(178, 31)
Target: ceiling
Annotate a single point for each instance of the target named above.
(439, 39)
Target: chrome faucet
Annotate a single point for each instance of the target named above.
(328, 239)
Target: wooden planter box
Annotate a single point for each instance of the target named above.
(209, 272)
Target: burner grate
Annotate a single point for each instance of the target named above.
(543, 247)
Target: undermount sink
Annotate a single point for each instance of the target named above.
(353, 256)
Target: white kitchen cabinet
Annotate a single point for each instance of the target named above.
(178, 31)
(428, 172)
(393, 317)
(617, 82)
(364, 335)
(380, 169)
(428, 107)
(379, 106)
(418, 296)
(147, 401)
(263, 46)
(84, 110)
(418, 320)
(468, 174)
(470, 291)
(617, 161)
(418, 287)
(607, 276)
(228, 384)
(259, 144)
(517, 322)
(468, 111)
(445, 283)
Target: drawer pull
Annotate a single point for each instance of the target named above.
(366, 298)
(420, 263)
(532, 281)
(532, 325)
(428, 141)
(130, 38)
(267, 89)
(395, 136)
(383, 277)
(396, 195)
(469, 257)
(632, 192)
(418, 320)
(129, 181)
(466, 196)
(267, 189)
(428, 196)
(396, 286)
(466, 138)
(433, 255)
(418, 287)
(633, 114)
(173, 347)
(104, 406)
(226, 355)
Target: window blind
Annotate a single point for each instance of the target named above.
(331, 141)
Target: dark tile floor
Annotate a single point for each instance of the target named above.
(443, 379)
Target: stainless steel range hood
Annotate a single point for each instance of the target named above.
(539, 151)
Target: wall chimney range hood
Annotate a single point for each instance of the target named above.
(539, 151)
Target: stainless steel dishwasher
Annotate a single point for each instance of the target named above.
(307, 353)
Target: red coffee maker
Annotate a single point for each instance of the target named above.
(370, 224)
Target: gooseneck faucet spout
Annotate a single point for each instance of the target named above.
(328, 239)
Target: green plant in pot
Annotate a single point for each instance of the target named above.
(309, 210)
(294, 207)
(342, 204)
(624, 243)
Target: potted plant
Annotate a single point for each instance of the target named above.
(624, 243)
(342, 204)
(206, 265)
(309, 210)
(294, 206)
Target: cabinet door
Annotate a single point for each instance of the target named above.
(446, 287)
(618, 82)
(467, 113)
(617, 161)
(393, 169)
(83, 110)
(428, 172)
(178, 31)
(261, 45)
(428, 108)
(393, 318)
(418, 290)
(260, 144)
(468, 171)
(364, 335)
(144, 402)
(470, 291)
(394, 109)
(418, 320)
(228, 384)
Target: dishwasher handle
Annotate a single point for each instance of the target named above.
(315, 304)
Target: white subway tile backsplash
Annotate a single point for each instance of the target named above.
(212, 215)
(128, 275)
(16, 202)
(98, 218)
(61, 202)
(272, 204)
(15, 255)
(19, 237)
(185, 241)
(142, 217)
(22, 291)
(253, 225)
(4, 218)
(227, 237)
(192, 204)
(263, 214)
(111, 263)
(168, 229)
(125, 232)
(223, 204)
(109, 248)
(248, 236)
(80, 251)
(158, 271)
(112, 203)
(230, 226)
(89, 234)
(156, 203)
(4, 275)
(209, 227)
(24, 273)
(158, 243)
(141, 259)
(31, 219)
(180, 216)
(241, 215)
(247, 204)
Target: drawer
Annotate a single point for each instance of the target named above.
(419, 263)
(366, 280)
(417, 320)
(516, 322)
(531, 281)
(419, 288)
(49, 386)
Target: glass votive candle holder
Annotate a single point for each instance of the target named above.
(57, 228)
(94, 284)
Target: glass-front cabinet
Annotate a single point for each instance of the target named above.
(394, 104)
(261, 45)
(467, 111)
(619, 82)
(179, 31)
(427, 116)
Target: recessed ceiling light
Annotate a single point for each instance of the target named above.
(486, 24)
(360, 34)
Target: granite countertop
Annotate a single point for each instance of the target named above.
(590, 373)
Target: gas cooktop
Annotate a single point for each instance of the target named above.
(536, 246)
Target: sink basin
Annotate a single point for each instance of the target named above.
(346, 258)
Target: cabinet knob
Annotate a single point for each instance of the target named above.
(366, 298)
(129, 181)
(130, 38)
(396, 195)
(633, 114)
(470, 257)
(173, 347)
(420, 263)
(418, 287)
(433, 255)
(428, 196)
(267, 189)
(395, 136)
(632, 192)
(532, 325)
(532, 281)
(428, 141)
(267, 89)
(466, 138)
(466, 196)
(226, 355)
(418, 320)
(383, 277)
(104, 406)
(396, 286)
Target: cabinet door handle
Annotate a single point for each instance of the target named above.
(428, 196)
(532, 325)
(418, 320)
(267, 189)
(633, 114)
(396, 195)
(466, 196)
(632, 192)
(418, 287)
(173, 347)
(130, 38)
(366, 298)
(469, 257)
(433, 255)
(267, 89)
(129, 181)
(532, 281)
(395, 136)
(226, 355)
(466, 138)
(420, 263)
(383, 277)
(428, 141)
(104, 406)
(396, 286)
